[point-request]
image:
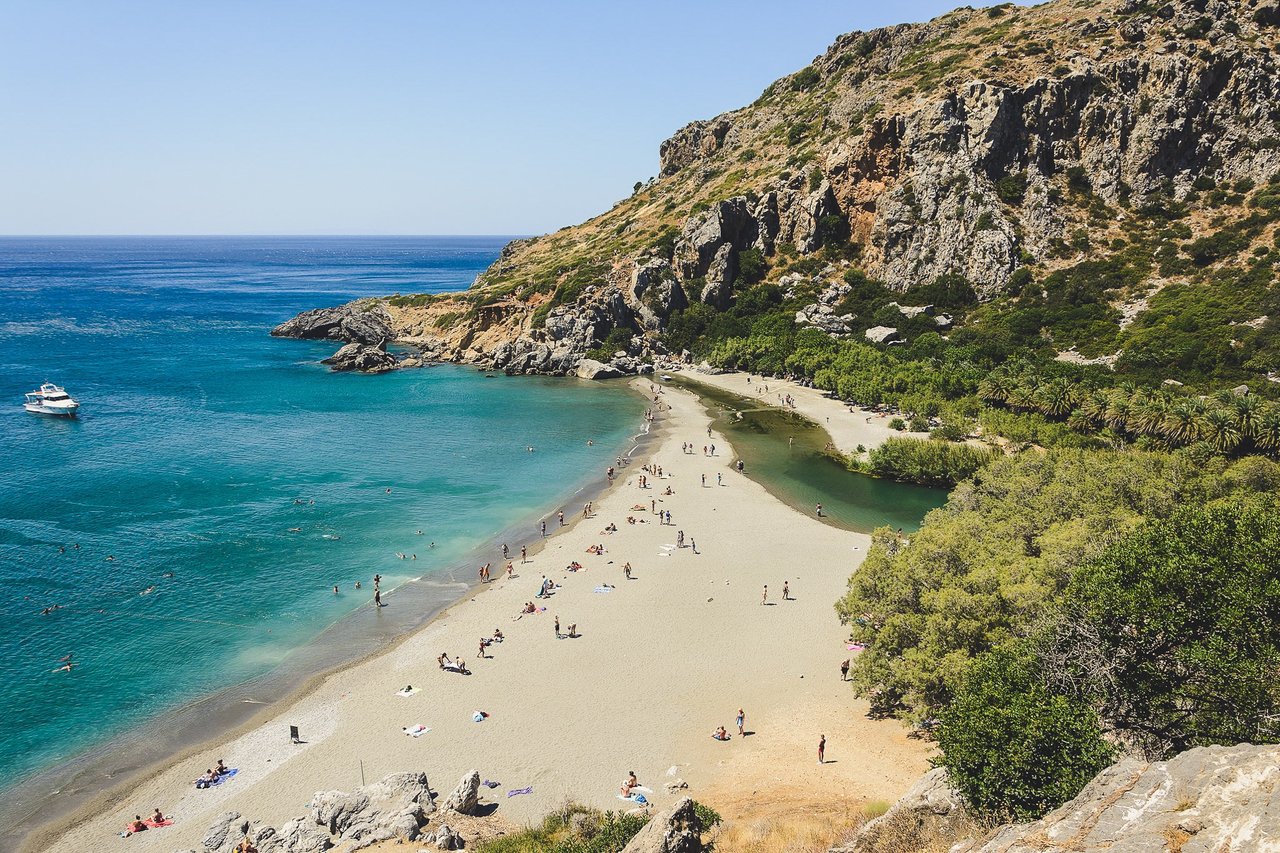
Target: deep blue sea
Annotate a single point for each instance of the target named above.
(201, 447)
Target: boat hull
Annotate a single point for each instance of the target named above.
(60, 412)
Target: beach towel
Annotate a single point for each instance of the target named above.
(855, 647)
(415, 731)
(603, 589)
(407, 692)
(518, 791)
(489, 784)
(225, 776)
(156, 825)
(634, 798)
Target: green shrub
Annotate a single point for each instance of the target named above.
(933, 463)
(1014, 749)
(1012, 189)
(805, 78)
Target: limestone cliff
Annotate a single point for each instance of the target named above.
(977, 144)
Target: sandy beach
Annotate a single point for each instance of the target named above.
(848, 426)
(662, 660)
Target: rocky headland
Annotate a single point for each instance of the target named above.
(995, 145)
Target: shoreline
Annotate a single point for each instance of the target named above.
(238, 708)
(848, 426)
(658, 436)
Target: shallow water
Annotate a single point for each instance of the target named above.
(188, 482)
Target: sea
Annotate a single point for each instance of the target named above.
(189, 529)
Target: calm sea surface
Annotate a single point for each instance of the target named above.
(191, 524)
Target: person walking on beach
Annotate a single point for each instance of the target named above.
(377, 597)
(704, 481)
(719, 482)
(557, 626)
(560, 514)
(822, 749)
(693, 543)
(786, 591)
(819, 510)
(741, 721)
(764, 597)
(544, 530)
(844, 670)
(524, 554)
(506, 552)
(626, 570)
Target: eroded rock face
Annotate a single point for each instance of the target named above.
(675, 830)
(349, 323)
(1207, 799)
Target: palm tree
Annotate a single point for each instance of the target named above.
(1267, 434)
(1117, 414)
(1220, 430)
(1182, 421)
(1057, 397)
(1078, 422)
(1022, 396)
(1093, 407)
(1149, 411)
(995, 387)
(1247, 411)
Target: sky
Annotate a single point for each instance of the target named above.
(372, 117)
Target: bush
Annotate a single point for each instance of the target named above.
(805, 78)
(1014, 749)
(572, 829)
(930, 462)
(897, 423)
(751, 266)
(1175, 631)
(1012, 189)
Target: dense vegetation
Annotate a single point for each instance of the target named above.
(579, 829)
(1166, 641)
(934, 463)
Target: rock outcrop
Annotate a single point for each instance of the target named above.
(395, 808)
(1208, 799)
(928, 814)
(364, 358)
(466, 797)
(675, 830)
(352, 323)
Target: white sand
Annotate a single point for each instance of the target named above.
(663, 659)
(848, 426)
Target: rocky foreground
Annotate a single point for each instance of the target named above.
(1219, 799)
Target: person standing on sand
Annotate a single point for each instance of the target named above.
(822, 749)
(524, 554)
(626, 570)
(506, 552)
(557, 626)
(741, 721)
(786, 591)
(844, 670)
(377, 597)
(764, 597)
(560, 514)
(819, 509)
(544, 530)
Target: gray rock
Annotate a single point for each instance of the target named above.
(675, 830)
(364, 358)
(300, 835)
(882, 335)
(398, 805)
(466, 796)
(348, 323)
(931, 810)
(589, 368)
(445, 838)
(226, 831)
(1214, 798)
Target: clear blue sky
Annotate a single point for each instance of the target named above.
(371, 116)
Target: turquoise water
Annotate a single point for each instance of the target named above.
(203, 443)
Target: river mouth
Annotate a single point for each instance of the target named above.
(788, 454)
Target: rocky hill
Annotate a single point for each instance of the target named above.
(1007, 151)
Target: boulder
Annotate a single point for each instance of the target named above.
(1205, 799)
(397, 806)
(346, 323)
(675, 830)
(589, 368)
(882, 335)
(445, 838)
(364, 358)
(930, 811)
(300, 835)
(226, 831)
(466, 796)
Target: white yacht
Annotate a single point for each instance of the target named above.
(51, 400)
